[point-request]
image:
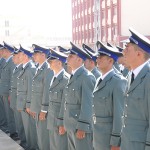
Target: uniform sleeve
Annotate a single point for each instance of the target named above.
(60, 118)
(147, 145)
(29, 76)
(118, 105)
(85, 116)
(12, 67)
(45, 99)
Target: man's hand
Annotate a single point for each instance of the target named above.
(28, 110)
(115, 148)
(33, 114)
(42, 116)
(61, 130)
(80, 134)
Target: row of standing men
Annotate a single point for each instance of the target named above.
(51, 109)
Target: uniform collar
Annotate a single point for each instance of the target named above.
(56, 75)
(103, 76)
(139, 68)
(74, 71)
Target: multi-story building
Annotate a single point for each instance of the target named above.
(115, 17)
(83, 21)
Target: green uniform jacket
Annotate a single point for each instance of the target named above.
(78, 101)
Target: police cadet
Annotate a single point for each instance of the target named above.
(24, 90)
(90, 63)
(5, 86)
(108, 102)
(136, 124)
(78, 102)
(38, 104)
(13, 97)
(3, 122)
(121, 62)
(57, 132)
(65, 51)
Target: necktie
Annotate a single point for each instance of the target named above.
(99, 82)
(132, 78)
(71, 76)
(54, 79)
(36, 71)
(14, 69)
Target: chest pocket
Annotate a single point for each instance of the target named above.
(104, 95)
(138, 94)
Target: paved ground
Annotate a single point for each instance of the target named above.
(6, 143)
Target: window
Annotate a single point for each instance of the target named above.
(6, 23)
(109, 33)
(86, 27)
(6, 32)
(85, 11)
(89, 11)
(89, 25)
(79, 15)
(115, 10)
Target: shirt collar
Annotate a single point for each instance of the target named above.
(56, 75)
(74, 71)
(8, 58)
(39, 67)
(25, 64)
(138, 69)
(103, 76)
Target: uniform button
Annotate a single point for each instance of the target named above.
(92, 105)
(125, 115)
(127, 95)
(124, 126)
(126, 105)
(76, 115)
(73, 89)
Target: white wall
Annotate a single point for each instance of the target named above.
(136, 14)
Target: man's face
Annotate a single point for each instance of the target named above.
(102, 62)
(130, 54)
(5, 53)
(36, 57)
(21, 56)
(121, 60)
(54, 63)
(87, 63)
(72, 60)
(16, 59)
(1, 53)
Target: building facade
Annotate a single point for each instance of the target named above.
(114, 19)
(83, 21)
